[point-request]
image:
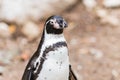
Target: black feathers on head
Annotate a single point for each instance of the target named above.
(50, 29)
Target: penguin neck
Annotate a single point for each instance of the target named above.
(48, 39)
(52, 36)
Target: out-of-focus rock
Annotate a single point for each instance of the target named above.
(30, 30)
(11, 49)
(115, 73)
(73, 41)
(5, 57)
(4, 30)
(96, 53)
(111, 19)
(79, 67)
(101, 12)
(111, 3)
(107, 17)
(21, 11)
(90, 4)
(2, 69)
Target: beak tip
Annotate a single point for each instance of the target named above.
(65, 25)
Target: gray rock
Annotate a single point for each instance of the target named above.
(31, 30)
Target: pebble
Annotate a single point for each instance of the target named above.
(2, 69)
(73, 41)
(107, 17)
(5, 57)
(97, 53)
(92, 39)
(90, 4)
(111, 3)
(31, 30)
(9, 52)
(79, 67)
(101, 12)
(4, 30)
(115, 73)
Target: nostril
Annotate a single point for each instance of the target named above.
(65, 24)
(61, 21)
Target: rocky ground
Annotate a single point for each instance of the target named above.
(93, 40)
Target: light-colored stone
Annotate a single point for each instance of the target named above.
(96, 53)
(2, 69)
(111, 3)
(73, 41)
(115, 73)
(31, 30)
(101, 12)
(90, 4)
(107, 17)
(4, 30)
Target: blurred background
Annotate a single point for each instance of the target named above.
(93, 35)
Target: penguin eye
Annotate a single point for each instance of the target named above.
(51, 22)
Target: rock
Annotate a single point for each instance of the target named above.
(4, 30)
(108, 17)
(111, 3)
(73, 41)
(92, 39)
(5, 57)
(96, 53)
(30, 30)
(115, 73)
(101, 12)
(2, 69)
(111, 19)
(90, 4)
(20, 11)
(10, 50)
(79, 67)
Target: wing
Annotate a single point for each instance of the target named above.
(71, 74)
(28, 75)
(29, 71)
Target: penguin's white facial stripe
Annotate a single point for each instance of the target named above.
(54, 23)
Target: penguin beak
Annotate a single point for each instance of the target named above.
(65, 24)
(62, 24)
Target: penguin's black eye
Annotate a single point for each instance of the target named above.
(51, 22)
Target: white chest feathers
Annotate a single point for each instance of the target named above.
(56, 65)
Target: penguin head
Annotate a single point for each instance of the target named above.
(55, 24)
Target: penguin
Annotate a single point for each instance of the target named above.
(51, 59)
